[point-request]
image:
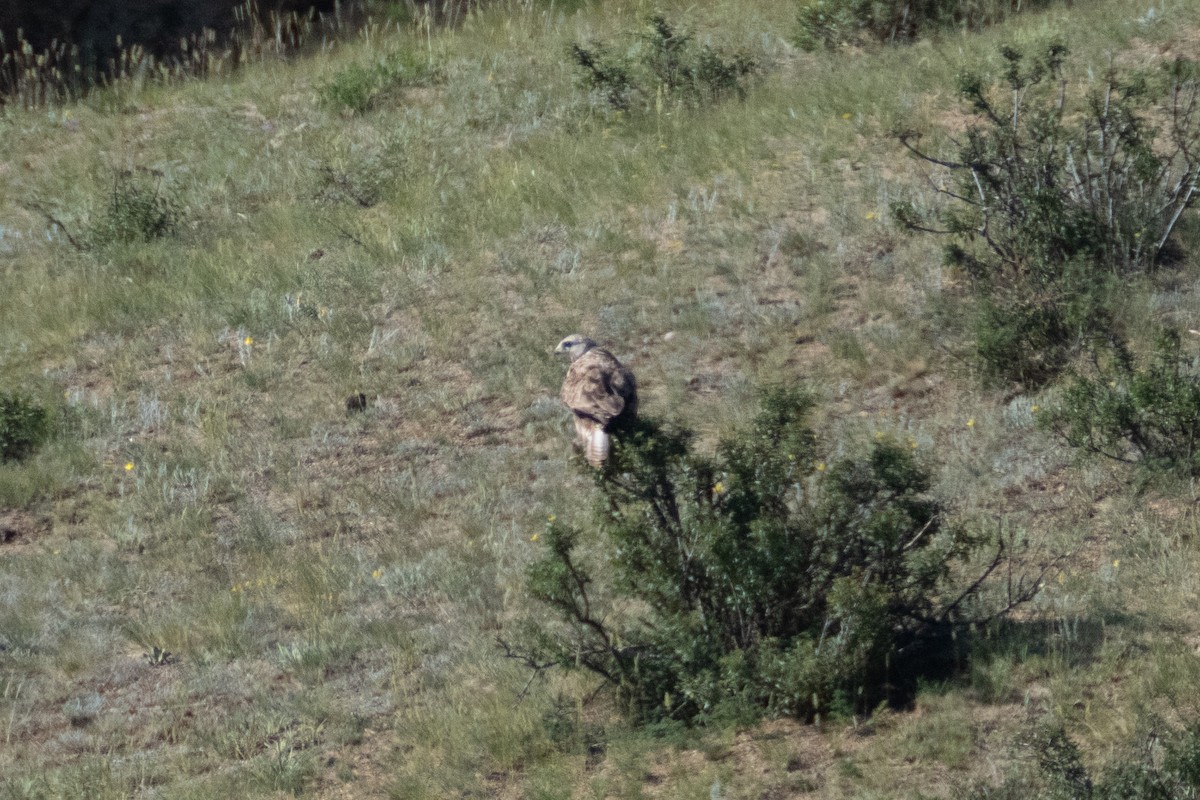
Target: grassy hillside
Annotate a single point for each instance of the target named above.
(215, 581)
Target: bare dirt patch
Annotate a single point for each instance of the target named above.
(20, 527)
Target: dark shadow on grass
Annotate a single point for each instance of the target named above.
(953, 657)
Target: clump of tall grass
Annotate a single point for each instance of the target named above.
(61, 72)
(361, 87)
(142, 206)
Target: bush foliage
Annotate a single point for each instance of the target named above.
(1149, 415)
(1165, 766)
(831, 23)
(663, 63)
(24, 424)
(1055, 198)
(756, 579)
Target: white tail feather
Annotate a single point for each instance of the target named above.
(597, 447)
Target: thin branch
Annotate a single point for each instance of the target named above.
(53, 220)
(526, 658)
(904, 137)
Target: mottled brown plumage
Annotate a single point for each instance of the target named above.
(600, 392)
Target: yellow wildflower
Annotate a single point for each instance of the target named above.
(1116, 563)
(129, 466)
(249, 340)
(820, 466)
(719, 488)
(533, 538)
(551, 518)
(847, 115)
(971, 422)
(869, 215)
(377, 573)
(1034, 409)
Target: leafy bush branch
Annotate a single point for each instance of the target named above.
(758, 579)
(24, 424)
(1149, 415)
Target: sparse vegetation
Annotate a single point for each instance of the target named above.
(218, 581)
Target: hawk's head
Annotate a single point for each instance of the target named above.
(575, 345)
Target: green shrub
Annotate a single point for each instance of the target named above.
(24, 424)
(360, 88)
(1148, 415)
(830, 23)
(1055, 199)
(664, 63)
(1164, 766)
(757, 579)
(140, 209)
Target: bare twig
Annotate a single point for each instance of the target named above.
(53, 220)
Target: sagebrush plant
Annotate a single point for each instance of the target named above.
(1147, 414)
(1163, 764)
(143, 205)
(664, 64)
(758, 579)
(24, 424)
(1055, 196)
(831, 23)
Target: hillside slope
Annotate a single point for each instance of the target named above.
(217, 581)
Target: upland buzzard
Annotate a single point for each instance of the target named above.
(601, 393)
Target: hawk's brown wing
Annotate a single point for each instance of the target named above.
(599, 387)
